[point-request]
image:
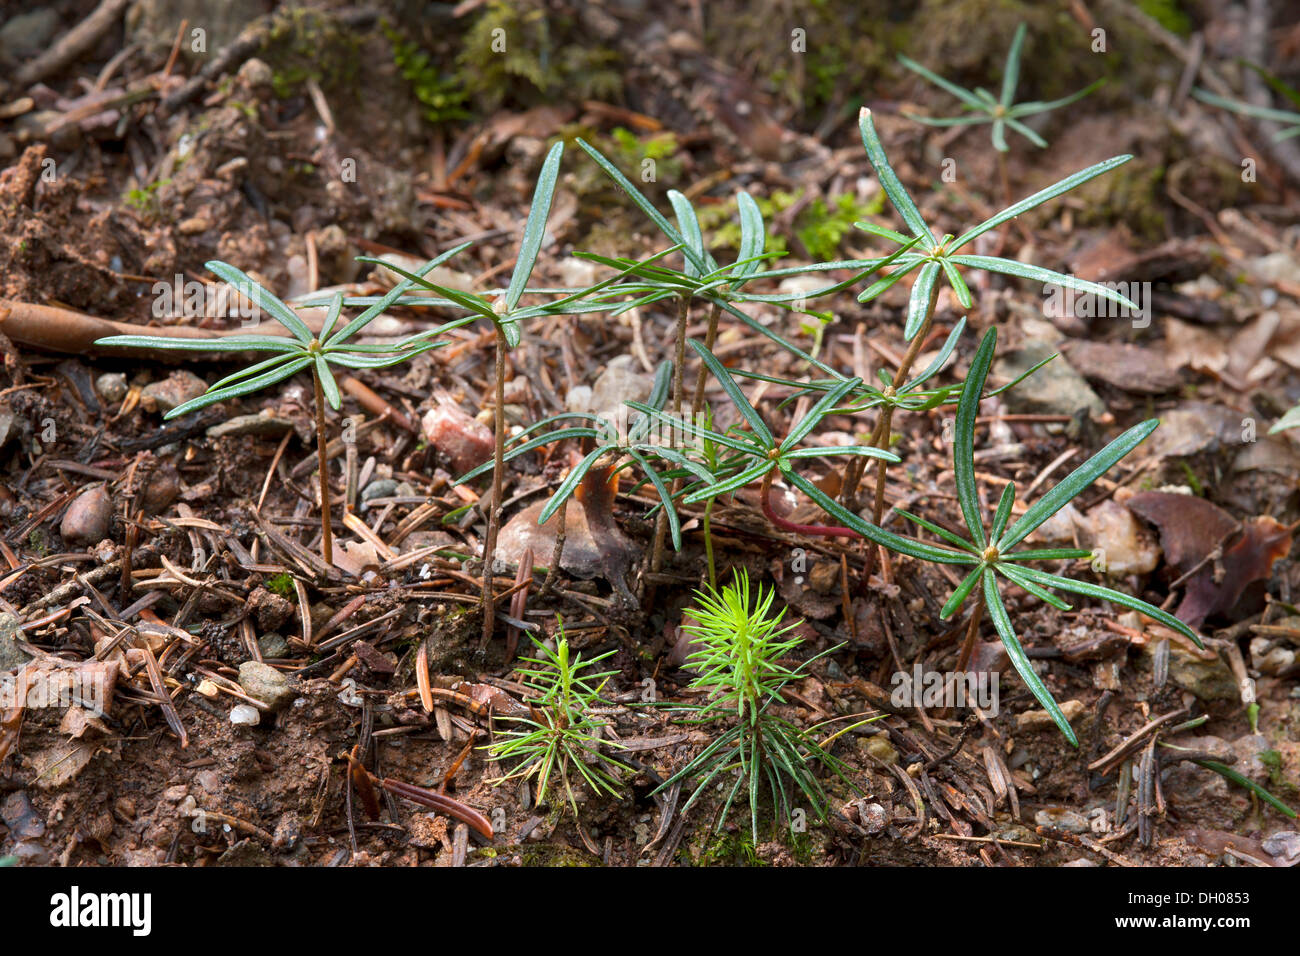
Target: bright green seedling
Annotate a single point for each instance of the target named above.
(990, 552)
(739, 647)
(758, 455)
(301, 350)
(1003, 112)
(562, 735)
(1289, 120)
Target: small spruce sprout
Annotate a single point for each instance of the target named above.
(562, 737)
(741, 643)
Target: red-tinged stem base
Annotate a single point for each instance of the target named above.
(785, 524)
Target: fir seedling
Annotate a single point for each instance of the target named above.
(740, 645)
(562, 735)
(989, 552)
(300, 350)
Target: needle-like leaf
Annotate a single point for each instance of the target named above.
(890, 182)
(1073, 484)
(963, 447)
(993, 601)
(1038, 198)
(535, 227)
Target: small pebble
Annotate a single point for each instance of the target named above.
(263, 682)
(87, 519)
(1042, 720)
(245, 715)
(175, 390)
(112, 387)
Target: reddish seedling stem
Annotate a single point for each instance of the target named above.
(825, 531)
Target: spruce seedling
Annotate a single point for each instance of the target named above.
(740, 644)
(562, 734)
(300, 350)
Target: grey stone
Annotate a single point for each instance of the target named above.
(1055, 389)
(12, 656)
(264, 683)
(27, 34)
(111, 387)
(1208, 680)
(1071, 821)
(379, 488)
(1285, 845)
(273, 645)
(176, 389)
(263, 425)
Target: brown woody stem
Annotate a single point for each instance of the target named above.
(322, 462)
(494, 512)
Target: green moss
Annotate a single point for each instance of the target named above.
(1193, 482)
(144, 200)
(442, 95)
(551, 854)
(820, 227)
(1168, 14)
(281, 584)
(307, 45)
(524, 52)
(729, 849)
(1277, 781)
